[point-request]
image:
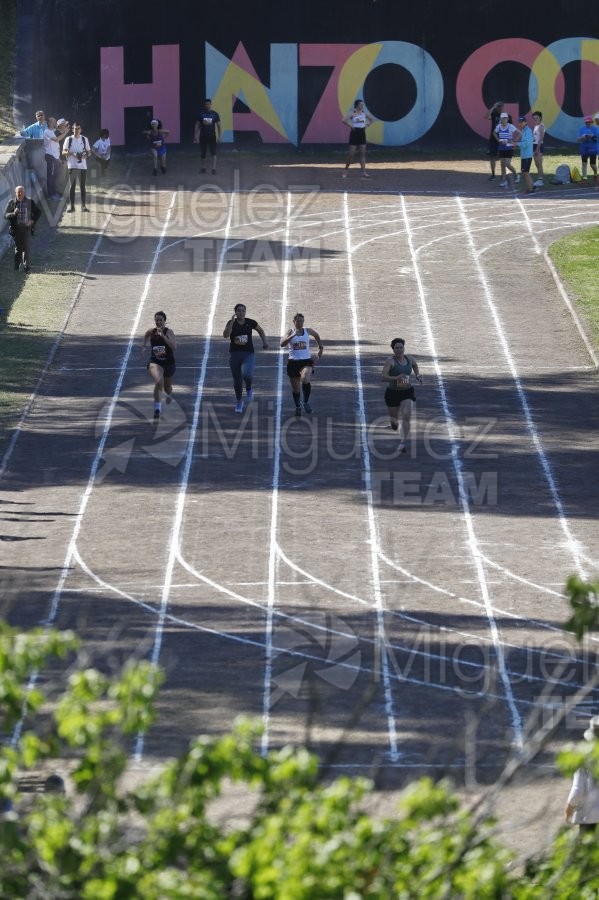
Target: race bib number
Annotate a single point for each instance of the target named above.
(159, 351)
(207, 121)
(241, 340)
(299, 345)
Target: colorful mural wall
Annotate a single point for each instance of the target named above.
(428, 92)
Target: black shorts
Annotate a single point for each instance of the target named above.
(296, 366)
(537, 148)
(357, 137)
(506, 152)
(525, 164)
(207, 143)
(168, 369)
(589, 156)
(395, 396)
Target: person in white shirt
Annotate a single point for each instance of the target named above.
(53, 135)
(507, 135)
(357, 121)
(300, 365)
(582, 806)
(101, 150)
(76, 151)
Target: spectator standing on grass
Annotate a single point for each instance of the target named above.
(21, 213)
(242, 358)
(53, 135)
(399, 395)
(76, 150)
(207, 133)
(161, 366)
(156, 136)
(101, 150)
(35, 131)
(538, 144)
(493, 114)
(507, 134)
(300, 365)
(582, 807)
(525, 145)
(587, 139)
(357, 121)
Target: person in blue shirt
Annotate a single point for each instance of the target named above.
(525, 144)
(35, 131)
(587, 138)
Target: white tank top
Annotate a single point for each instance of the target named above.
(299, 346)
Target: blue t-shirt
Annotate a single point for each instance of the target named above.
(526, 143)
(208, 119)
(589, 145)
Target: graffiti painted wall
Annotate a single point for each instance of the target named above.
(285, 74)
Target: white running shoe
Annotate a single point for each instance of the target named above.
(517, 179)
(503, 184)
(538, 183)
(344, 174)
(250, 395)
(239, 407)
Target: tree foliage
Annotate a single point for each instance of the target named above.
(302, 839)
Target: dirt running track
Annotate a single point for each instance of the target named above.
(300, 571)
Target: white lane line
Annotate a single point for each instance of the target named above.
(274, 493)
(477, 641)
(174, 551)
(463, 494)
(54, 348)
(71, 550)
(381, 638)
(572, 544)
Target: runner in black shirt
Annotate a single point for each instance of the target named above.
(238, 331)
(162, 359)
(207, 133)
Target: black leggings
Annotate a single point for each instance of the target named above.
(73, 173)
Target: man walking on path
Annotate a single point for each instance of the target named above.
(22, 213)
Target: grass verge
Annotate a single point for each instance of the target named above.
(575, 257)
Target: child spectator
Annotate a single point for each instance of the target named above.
(156, 136)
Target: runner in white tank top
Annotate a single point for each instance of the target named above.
(300, 364)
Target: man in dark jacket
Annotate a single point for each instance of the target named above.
(22, 213)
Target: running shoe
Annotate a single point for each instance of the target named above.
(156, 413)
(298, 412)
(239, 407)
(250, 395)
(503, 184)
(402, 447)
(365, 175)
(84, 209)
(538, 183)
(516, 179)
(168, 398)
(491, 177)
(344, 174)
(307, 407)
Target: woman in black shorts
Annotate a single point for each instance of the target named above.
(358, 121)
(162, 359)
(400, 396)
